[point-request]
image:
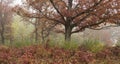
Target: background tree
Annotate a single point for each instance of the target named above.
(42, 29)
(5, 21)
(74, 15)
(42, 25)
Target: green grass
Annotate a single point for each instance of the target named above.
(19, 43)
(70, 45)
(73, 44)
(90, 44)
(93, 45)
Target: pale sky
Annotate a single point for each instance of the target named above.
(16, 2)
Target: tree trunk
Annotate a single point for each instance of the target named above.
(68, 30)
(42, 36)
(2, 38)
(68, 27)
(36, 30)
(36, 34)
(2, 33)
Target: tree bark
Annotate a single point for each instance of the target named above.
(68, 30)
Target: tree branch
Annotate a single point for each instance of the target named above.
(55, 20)
(104, 27)
(75, 24)
(88, 10)
(88, 26)
(49, 29)
(57, 10)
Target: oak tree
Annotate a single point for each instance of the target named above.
(74, 15)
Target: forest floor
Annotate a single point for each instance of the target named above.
(41, 54)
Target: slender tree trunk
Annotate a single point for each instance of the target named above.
(36, 34)
(2, 34)
(42, 36)
(2, 38)
(36, 30)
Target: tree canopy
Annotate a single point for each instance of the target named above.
(74, 15)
